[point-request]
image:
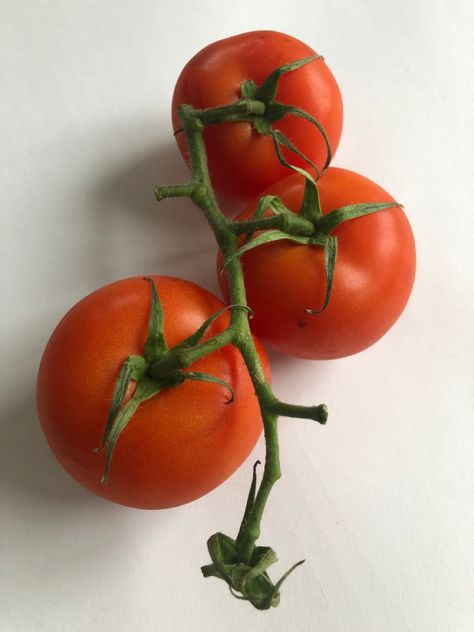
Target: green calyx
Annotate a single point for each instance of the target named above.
(274, 111)
(309, 227)
(159, 368)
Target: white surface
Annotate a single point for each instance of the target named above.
(378, 501)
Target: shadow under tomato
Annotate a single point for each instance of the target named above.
(60, 536)
(27, 465)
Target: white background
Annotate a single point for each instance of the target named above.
(377, 501)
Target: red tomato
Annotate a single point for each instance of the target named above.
(373, 277)
(180, 444)
(241, 161)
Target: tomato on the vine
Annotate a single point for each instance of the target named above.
(241, 161)
(373, 278)
(181, 443)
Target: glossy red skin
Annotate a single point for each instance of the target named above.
(373, 278)
(180, 444)
(241, 161)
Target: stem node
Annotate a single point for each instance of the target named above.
(199, 194)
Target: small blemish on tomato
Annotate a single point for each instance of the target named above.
(131, 388)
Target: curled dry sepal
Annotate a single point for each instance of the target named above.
(246, 580)
(250, 580)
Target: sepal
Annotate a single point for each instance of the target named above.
(250, 582)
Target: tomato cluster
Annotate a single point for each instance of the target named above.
(186, 440)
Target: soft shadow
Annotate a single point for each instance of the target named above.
(142, 236)
(283, 365)
(29, 470)
(27, 464)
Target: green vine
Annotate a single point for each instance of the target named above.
(239, 562)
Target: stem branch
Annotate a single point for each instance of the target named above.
(317, 413)
(174, 190)
(292, 224)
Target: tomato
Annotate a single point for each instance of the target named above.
(373, 276)
(180, 444)
(241, 161)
